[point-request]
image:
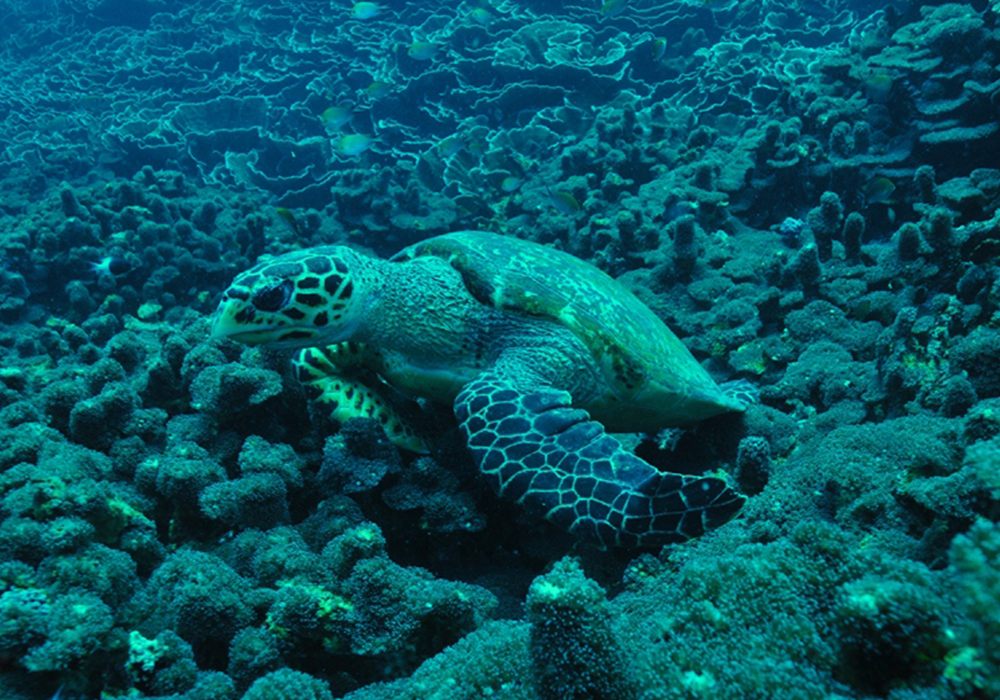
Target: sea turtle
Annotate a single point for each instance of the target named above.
(530, 345)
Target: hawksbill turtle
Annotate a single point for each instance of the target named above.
(537, 351)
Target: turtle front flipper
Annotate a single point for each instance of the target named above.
(336, 379)
(551, 458)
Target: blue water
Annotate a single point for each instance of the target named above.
(805, 193)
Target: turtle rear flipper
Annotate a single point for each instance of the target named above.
(555, 461)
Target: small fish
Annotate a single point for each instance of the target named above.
(879, 189)
(288, 217)
(354, 144)
(481, 16)
(112, 265)
(336, 117)
(378, 89)
(451, 145)
(476, 147)
(878, 87)
(423, 50)
(677, 208)
(659, 48)
(564, 202)
(365, 10)
(511, 184)
(613, 8)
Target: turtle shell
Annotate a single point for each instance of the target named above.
(640, 356)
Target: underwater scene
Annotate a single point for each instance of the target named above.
(499, 349)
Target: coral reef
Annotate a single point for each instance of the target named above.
(808, 195)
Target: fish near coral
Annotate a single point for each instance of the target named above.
(423, 50)
(879, 189)
(354, 144)
(878, 87)
(290, 221)
(564, 202)
(365, 10)
(659, 49)
(451, 145)
(481, 16)
(336, 117)
(613, 8)
(378, 89)
(511, 184)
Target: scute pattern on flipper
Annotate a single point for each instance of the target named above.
(556, 462)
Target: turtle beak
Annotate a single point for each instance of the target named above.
(223, 325)
(239, 321)
(234, 320)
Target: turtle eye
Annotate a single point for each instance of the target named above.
(273, 298)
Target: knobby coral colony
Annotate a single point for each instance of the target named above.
(807, 196)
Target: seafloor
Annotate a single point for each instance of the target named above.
(807, 192)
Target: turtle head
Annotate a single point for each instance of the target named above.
(302, 299)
